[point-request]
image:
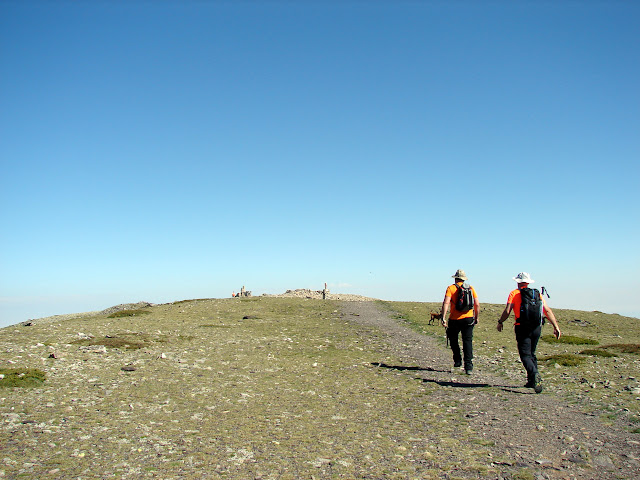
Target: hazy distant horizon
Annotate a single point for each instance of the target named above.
(20, 315)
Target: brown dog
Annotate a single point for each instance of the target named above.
(434, 317)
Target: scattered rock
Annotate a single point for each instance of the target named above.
(580, 323)
(317, 294)
(604, 461)
(94, 349)
(320, 462)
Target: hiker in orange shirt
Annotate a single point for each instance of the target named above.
(463, 317)
(528, 325)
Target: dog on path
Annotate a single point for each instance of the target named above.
(434, 317)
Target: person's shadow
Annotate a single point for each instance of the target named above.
(448, 383)
(402, 368)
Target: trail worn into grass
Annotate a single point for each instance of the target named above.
(540, 433)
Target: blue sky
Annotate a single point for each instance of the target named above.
(170, 150)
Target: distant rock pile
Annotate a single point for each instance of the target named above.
(317, 294)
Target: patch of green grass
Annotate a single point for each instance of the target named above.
(598, 353)
(524, 474)
(564, 359)
(113, 342)
(633, 348)
(21, 377)
(128, 341)
(484, 442)
(129, 313)
(570, 339)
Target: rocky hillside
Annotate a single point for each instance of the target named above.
(288, 388)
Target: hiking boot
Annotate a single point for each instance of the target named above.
(537, 383)
(468, 371)
(529, 384)
(457, 364)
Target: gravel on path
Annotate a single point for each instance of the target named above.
(540, 431)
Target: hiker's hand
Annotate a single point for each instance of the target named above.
(444, 323)
(556, 332)
(500, 326)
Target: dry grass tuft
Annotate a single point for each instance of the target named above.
(633, 348)
(598, 353)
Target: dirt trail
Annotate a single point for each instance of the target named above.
(541, 432)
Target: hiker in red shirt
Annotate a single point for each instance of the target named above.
(461, 321)
(528, 326)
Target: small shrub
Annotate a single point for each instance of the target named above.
(598, 353)
(569, 339)
(21, 377)
(564, 359)
(129, 313)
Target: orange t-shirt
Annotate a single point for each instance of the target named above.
(452, 293)
(515, 299)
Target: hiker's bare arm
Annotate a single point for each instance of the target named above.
(552, 318)
(476, 309)
(445, 309)
(505, 315)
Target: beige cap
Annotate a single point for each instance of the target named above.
(460, 274)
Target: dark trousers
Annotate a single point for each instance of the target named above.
(527, 339)
(464, 327)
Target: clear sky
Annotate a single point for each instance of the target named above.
(165, 150)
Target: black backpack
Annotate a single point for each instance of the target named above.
(464, 302)
(530, 308)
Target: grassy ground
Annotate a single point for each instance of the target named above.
(596, 365)
(237, 388)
